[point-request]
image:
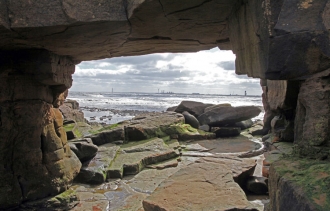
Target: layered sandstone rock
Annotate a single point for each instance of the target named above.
(35, 159)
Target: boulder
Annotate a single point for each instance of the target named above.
(84, 149)
(95, 170)
(70, 111)
(198, 187)
(244, 124)
(227, 131)
(257, 185)
(151, 125)
(205, 128)
(221, 116)
(216, 106)
(193, 107)
(190, 119)
(171, 108)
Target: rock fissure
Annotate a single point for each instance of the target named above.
(189, 8)
(160, 2)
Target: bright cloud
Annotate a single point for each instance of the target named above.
(211, 71)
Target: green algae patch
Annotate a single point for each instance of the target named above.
(108, 127)
(312, 176)
(180, 129)
(133, 157)
(64, 201)
(69, 127)
(77, 132)
(66, 196)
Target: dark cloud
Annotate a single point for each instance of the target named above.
(227, 65)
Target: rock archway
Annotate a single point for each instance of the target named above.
(41, 41)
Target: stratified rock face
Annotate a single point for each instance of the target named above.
(35, 159)
(312, 119)
(221, 116)
(102, 29)
(280, 39)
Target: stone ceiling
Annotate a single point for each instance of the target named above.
(97, 29)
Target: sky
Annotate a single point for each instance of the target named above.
(205, 72)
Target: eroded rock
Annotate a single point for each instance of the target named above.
(221, 116)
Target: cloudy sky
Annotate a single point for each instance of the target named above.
(205, 72)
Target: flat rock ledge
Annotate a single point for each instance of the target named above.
(211, 188)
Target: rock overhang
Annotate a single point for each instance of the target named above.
(90, 30)
(277, 40)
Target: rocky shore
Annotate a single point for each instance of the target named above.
(197, 157)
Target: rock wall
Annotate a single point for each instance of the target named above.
(35, 159)
(283, 42)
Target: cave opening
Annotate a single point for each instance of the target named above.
(154, 82)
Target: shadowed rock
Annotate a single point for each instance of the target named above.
(257, 185)
(227, 131)
(84, 149)
(244, 124)
(190, 119)
(221, 116)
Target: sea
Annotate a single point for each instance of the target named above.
(111, 108)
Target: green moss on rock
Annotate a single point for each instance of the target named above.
(310, 176)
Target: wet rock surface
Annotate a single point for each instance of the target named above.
(95, 170)
(211, 188)
(142, 178)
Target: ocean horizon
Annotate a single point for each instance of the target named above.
(113, 107)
